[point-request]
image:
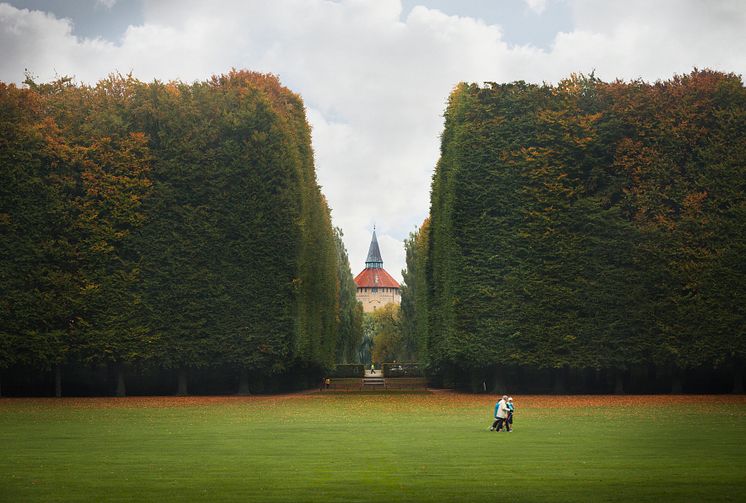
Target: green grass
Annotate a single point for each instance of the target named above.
(373, 447)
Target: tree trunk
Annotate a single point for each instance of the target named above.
(498, 383)
(259, 384)
(652, 379)
(677, 387)
(738, 379)
(597, 380)
(121, 390)
(243, 382)
(449, 377)
(638, 378)
(182, 389)
(560, 381)
(618, 382)
(476, 378)
(58, 381)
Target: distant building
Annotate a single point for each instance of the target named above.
(376, 287)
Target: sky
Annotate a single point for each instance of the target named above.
(375, 75)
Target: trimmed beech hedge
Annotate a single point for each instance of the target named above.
(349, 370)
(402, 370)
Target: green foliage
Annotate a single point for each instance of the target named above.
(348, 370)
(350, 317)
(178, 225)
(365, 349)
(588, 225)
(414, 296)
(388, 343)
(39, 278)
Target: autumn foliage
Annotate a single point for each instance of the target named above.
(588, 225)
(166, 226)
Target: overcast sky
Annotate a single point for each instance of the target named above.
(374, 74)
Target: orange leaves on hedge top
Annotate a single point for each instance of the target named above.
(693, 201)
(172, 89)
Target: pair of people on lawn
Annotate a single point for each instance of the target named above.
(503, 414)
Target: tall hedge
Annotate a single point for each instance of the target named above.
(350, 315)
(589, 225)
(165, 224)
(414, 314)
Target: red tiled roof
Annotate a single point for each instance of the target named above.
(375, 277)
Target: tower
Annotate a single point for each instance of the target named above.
(375, 286)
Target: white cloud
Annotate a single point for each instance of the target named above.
(107, 4)
(537, 6)
(376, 85)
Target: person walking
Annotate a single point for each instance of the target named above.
(509, 419)
(501, 413)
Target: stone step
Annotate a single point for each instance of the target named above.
(374, 381)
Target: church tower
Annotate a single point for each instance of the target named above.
(376, 287)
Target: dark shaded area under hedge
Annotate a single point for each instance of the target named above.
(638, 379)
(102, 381)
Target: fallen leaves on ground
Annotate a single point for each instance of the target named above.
(441, 399)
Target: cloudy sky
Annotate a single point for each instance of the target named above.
(374, 74)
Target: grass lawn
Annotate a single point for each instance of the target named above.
(373, 447)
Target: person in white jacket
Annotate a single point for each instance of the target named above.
(501, 413)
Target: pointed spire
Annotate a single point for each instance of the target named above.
(374, 259)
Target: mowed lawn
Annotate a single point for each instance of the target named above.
(373, 447)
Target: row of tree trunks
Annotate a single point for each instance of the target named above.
(182, 386)
(619, 382)
(560, 382)
(58, 381)
(479, 383)
(243, 382)
(738, 379)
(121, 388)
(677, 385)
(183, 383)
(497, 383)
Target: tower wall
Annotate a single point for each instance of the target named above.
(374, 300)
(375, 286)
